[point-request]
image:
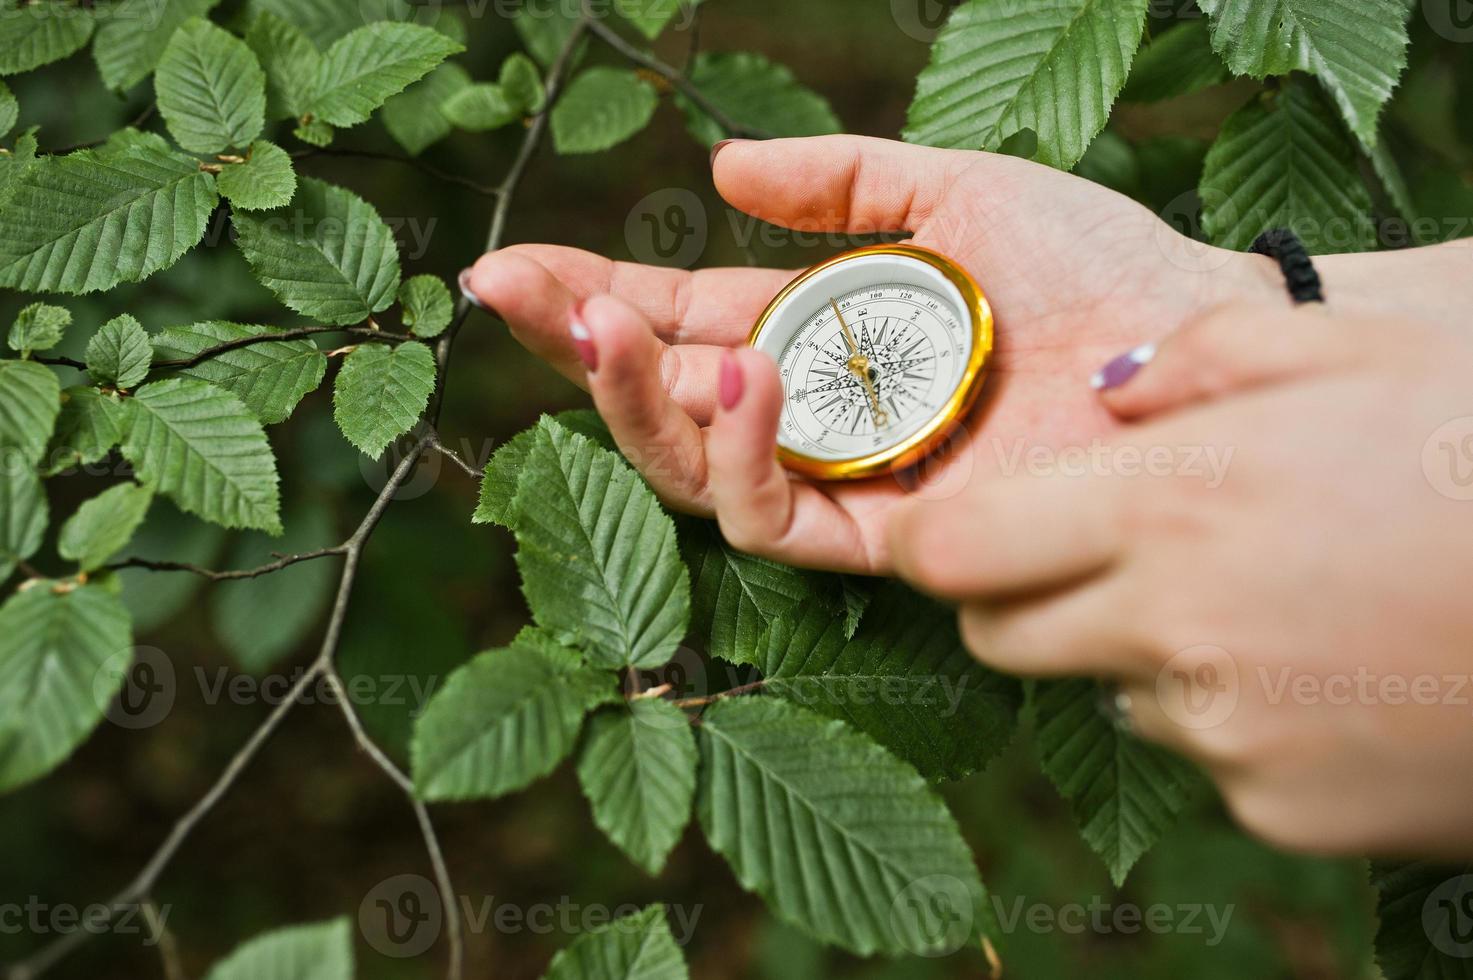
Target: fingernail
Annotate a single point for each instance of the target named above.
(729, 388)
(583, 342)
(1123, 368)
(721, 145)
(465, 290)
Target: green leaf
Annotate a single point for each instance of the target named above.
(104, 525)
(199, 445)
(756, 93)
(545, 26)
(89, 426)
(23, 516)
(30, 399)
(266, 180)
(291, 62)
(16, 163)
(263, 619)
(601, 108)
(381, 392)
(1422, 910)
(639, 774)
(1284, 161)
(90, 220)
(597, 554)
(649, 17)
(323, 951)
(522, 82)
(428, 308)
(362, 70)
(54, 681)
(324, 21)
(270, 377)
(415, 118)
(39, 33)
(635, 947)
(39, 326)
(504, 720)
(9, 110)
(119, 354)
(837, 835)
(499, 484)
(1124, 793)
(211, 90)
(329, 256)
(998, 68)
(316, 132)
(1179, 62)
(735, 596)
(1357, 48)
(480, 107)
(905, 680)
(132, 37)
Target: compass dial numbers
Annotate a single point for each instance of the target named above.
(861, 390)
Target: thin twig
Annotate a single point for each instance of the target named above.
(294, 333)
(282, 561)
(734, 692)
(164, 940)
(452, 455)
(58, 361)
(687, 88)
(424, 168)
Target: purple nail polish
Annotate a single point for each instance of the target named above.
(1123, 368)
(465, 290)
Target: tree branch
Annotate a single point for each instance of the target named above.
(452, 455)
(282, 561)
(294, 333)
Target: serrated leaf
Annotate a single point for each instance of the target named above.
(132, 37)
(545, 26)
(329, 255)
(263, 619)
(90, 220)
(270, 377)
(316, 132)
(199, 445)
(639, 774)
(323, 951)
(428, 308)
(504, 720)
(635, 947)
(1179, 62)
(499, 482)
(1357, 48)
(735, 596)
(23, 516)
(598, 555)
(30, 399)
(998, 68)
(1283, 161)
(522, 83)
(291, 62)
(211, 90)
(755, 92)
(39, 33)
(839, 837)
(54, 677)
(601, 108)
(381, 392)
(266, 180)
(480, 107)
(1423, 912)
(39, 326)
(89, 426)
(905, 679)
(119, 354)
(1124, 793)
(415, 118)
(9, 110)
(362, 70)
(324, 21)
(104, 525)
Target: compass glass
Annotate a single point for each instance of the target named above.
(874, 351)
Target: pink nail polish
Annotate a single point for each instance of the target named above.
(583, 342)
(729, 388)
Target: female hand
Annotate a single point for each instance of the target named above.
(1074, 271)
(1303, 629)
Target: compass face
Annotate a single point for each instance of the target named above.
(876, 352)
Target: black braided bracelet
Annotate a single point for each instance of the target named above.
(1285, 248)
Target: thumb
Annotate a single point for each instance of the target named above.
(1229, 351)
